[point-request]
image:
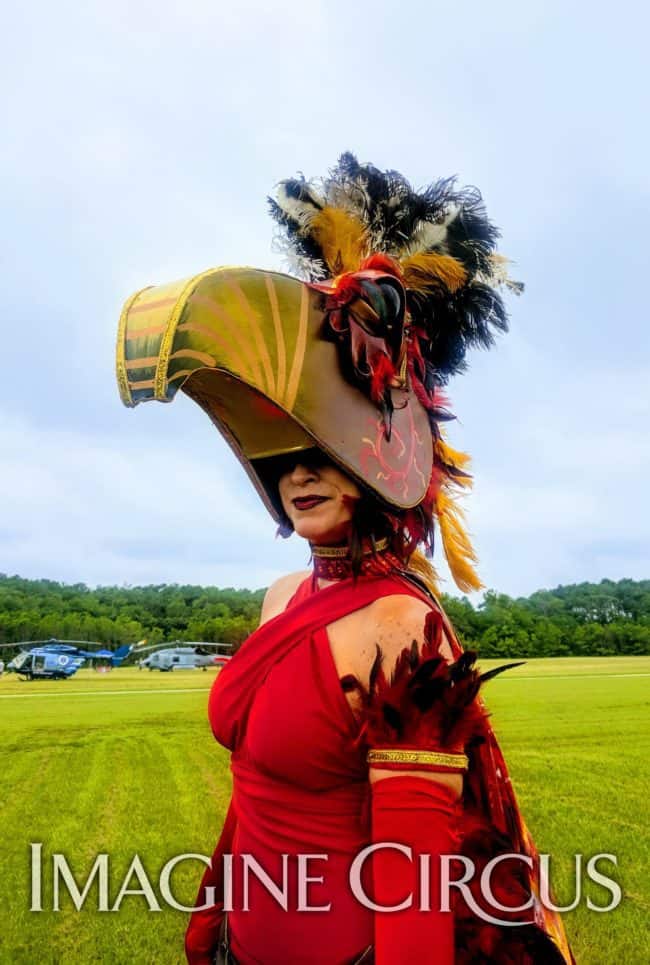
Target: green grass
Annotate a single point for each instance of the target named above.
(84, 771)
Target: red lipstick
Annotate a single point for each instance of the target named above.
(308, 502)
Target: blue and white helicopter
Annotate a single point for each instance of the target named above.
(58, 659)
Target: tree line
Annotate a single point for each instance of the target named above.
(597, 619)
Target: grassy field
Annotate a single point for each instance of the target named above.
(125, 764)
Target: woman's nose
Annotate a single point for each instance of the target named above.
(301, 473)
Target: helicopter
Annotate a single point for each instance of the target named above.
(59, 659)
(185, 656)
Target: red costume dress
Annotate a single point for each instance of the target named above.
(300, 787)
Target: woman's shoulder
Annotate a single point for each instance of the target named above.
(393, 622)
(396, 616)
(280, 592)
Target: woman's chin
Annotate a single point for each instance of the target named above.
(317, 532)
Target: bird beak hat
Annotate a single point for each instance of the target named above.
(351, 356)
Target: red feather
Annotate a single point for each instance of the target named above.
(427, 702)
(382, 373)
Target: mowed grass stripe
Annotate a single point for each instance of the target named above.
(577, 751)
(121, 789)
(107, 693)
(191, 690)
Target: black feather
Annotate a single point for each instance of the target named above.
(374, 670)
(302, 245)
(497, 670)
(414, 655)
(471, 236)
(393, 718)
(456, 322)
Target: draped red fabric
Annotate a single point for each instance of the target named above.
(299, 785)
(236, 687)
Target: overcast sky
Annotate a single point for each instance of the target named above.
(140, 142)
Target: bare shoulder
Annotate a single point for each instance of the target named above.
(394, 622)
(279, 594)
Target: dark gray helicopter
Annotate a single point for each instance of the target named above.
(183, 656)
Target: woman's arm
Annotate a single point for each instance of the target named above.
(419, 814)
(416, 807)
(395, 621)
(202, 934)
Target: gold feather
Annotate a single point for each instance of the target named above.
(341, 237)
(428, 270)
(444, 453)
(422, 567)
(456, 544)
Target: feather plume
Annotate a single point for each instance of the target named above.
(428, 270)
(422, 568)
(499, 275)
(299, 203)
(427, 235)
(453, 459)
(441, 235)
(294, 208)
(456, 544)
(341, 237)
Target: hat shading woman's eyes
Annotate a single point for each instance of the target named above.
(271, 469)
(310, 458)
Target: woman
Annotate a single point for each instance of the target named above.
(351, 713)
(319, 500)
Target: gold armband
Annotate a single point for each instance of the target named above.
(403, 757)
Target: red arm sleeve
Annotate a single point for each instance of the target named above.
(420, 814)
(202, 935)
(418, 720)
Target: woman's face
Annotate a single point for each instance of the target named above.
(318, 498)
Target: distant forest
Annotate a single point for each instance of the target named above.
(600, 619)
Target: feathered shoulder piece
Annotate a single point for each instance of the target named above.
(427, 704)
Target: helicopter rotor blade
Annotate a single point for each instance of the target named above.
(176, 644)
(201, 643)
(56, 640)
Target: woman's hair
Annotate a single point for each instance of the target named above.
(372, 519)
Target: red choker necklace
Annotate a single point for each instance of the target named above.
(334, 563)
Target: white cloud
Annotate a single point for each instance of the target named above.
(101, 511)
(560, 469)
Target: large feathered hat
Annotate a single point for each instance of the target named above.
(396, 285)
